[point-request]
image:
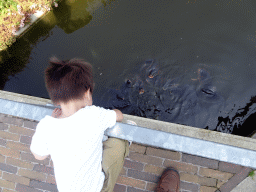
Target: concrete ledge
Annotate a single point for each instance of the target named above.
(195, 141)
(23, 98)
(207, 135)
(34, 17)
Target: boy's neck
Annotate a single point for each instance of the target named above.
(73, 106)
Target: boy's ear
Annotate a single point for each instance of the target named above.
(88, 92)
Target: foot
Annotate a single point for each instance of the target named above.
(169, 182)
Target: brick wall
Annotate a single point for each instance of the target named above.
(20, 171)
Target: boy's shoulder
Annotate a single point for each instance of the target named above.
(99, 108)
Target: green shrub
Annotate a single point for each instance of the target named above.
(251, 174)
(7, 4)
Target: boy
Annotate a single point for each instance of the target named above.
(73, 134)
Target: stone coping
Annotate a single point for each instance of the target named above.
(34, 17)
(207, 135)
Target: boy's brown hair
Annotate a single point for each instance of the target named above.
(68, 80)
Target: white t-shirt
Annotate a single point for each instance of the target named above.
(75, 146)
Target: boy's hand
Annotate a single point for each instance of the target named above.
(119, 115)
(56, 112)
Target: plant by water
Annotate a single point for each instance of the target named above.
(251, 174)
(15, 14)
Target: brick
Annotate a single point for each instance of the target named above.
(131, 182)
(146, 159)
(137, 148)
(30, 124)
(154, 169)
(119, 188)
(143, 176)
(11, 120)
(230, 167)
(51, 179)
(163, 153)
(2, 159)
(3, 142)
(29, 157)
(131, 189)
(188, 177)
(9, 136)
(220, 183)
(133, 165)
(180, 166)
(44, 169)
(18, 146)
(7, 184)
(24, 188)
(206, 181)
(9, 152)
(7, 190)
(21, 130)
(8, 168)
(3, 126)
(43, 185)
(151, 186)
(32, 174)
(15, 178)
(215, 174)
(235, 180)
(25, 139)
(207, 189)
(19, 163)
(205, 162)
(191, 187)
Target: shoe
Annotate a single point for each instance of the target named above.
(169, 181)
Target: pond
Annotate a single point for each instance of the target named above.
(188, 62)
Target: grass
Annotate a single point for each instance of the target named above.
(251, 174)
(15, 14)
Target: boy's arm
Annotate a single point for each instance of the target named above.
(119, 115)
(38, 146)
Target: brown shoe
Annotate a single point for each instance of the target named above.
(169, 182)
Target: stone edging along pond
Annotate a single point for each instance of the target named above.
(27, 13)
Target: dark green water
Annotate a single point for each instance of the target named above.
(182, 35)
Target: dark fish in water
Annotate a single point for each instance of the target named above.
(151, 93)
